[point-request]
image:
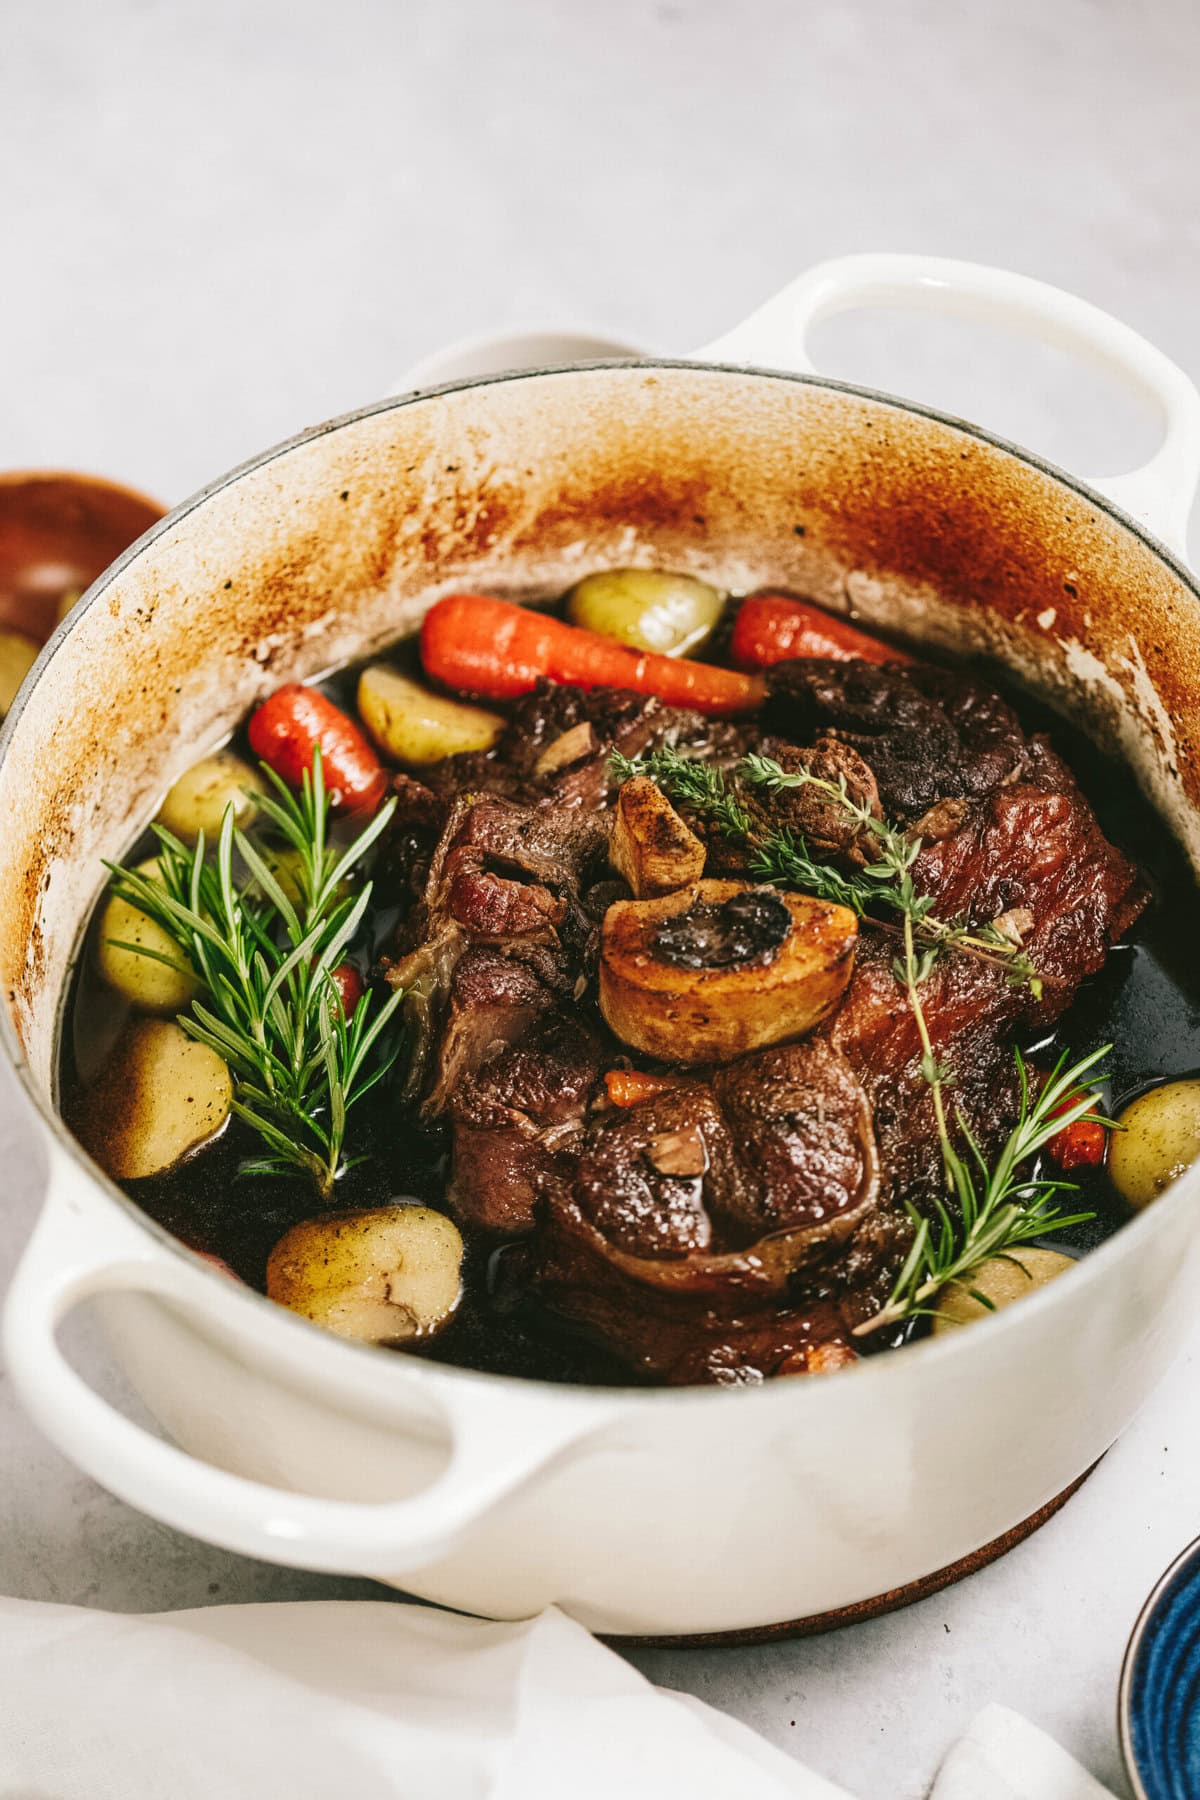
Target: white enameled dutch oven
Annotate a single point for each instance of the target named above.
(639, 1512)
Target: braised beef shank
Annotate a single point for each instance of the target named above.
(740, 1220)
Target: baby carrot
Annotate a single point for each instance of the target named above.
(289, 725)
(496, 651)
(773, 628)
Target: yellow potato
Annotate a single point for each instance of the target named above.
(1160, 1140)
(18, 654)
(415, 726)
(1002, 1280)
(646, 608)
(160, 1097)
(198, 799)
(381, 1276)
(142, 980)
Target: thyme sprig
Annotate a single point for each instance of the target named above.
(265, 958)
(999, 1206)
(779, 854)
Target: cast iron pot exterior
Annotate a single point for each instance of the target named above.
(639, 1512)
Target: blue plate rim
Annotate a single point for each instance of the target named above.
(1125, 1686)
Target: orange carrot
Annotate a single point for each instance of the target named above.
(626, 1087)
(496, 651)
(285, 730)
(773, 628)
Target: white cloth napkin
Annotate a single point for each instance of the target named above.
(1001, 1756)
(383, 1701)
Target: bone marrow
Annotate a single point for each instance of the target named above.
(722, 968)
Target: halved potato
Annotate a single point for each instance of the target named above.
(1001, 1280)
(1161, 1138)
(18, 654)
(651, 846)
(161, 1097)
(383, 1276)
(680, 1005)
(198, 800)
(415, 726)
(646, 608)
(145, 982)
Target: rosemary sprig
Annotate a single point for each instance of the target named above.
(269, 1005)
(999, 1207)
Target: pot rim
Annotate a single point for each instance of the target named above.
(223, 1294)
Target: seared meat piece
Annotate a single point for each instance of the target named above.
(928, 734)
(775, 1156)
(403, 867)
(1021, 851)
(618, 720)
(477, 893)
(502, 872)
(493, 1000)
(1026, 850)
(802, 1125)
(651, 1177)
(677, 1230)
(970, 1010)
(521, 1108)
(559, 741)
(417, 806)
(684, 1346)
(828, 830)
(493, 909)
(682, 1222)
(809, 1340)
(549, 845)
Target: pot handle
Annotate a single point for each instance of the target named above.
(72, 1257)
(1159, 494)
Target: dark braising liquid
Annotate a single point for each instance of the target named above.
(1146, 1003)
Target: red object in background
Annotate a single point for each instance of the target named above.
(494, 650)
(774, 628)
(58, 531)
(285, 730)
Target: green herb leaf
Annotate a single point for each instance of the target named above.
(1006, 1206)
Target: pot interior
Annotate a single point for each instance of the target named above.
(325, 549)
